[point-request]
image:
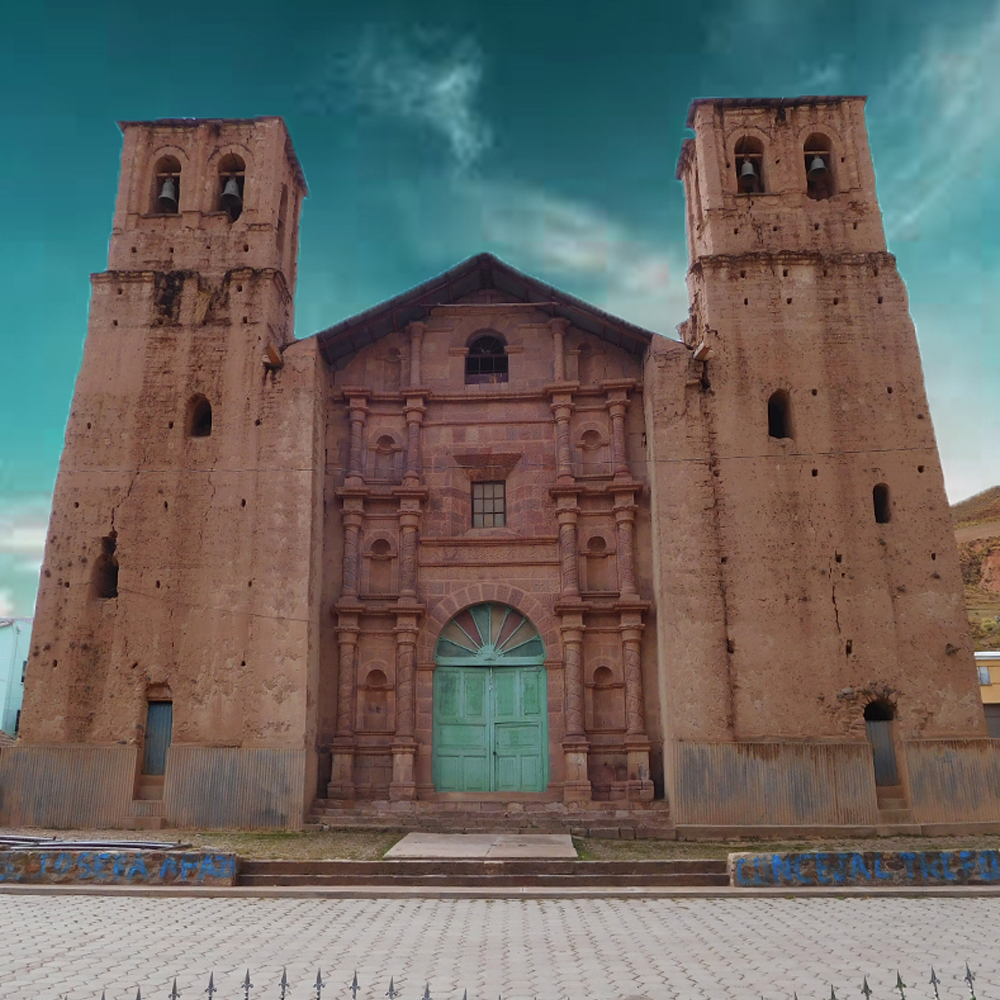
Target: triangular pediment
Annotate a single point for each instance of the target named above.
(480, 278)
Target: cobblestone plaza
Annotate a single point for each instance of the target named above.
(71, 947)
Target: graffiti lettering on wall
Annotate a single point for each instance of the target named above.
(118, 867)
(871, 868)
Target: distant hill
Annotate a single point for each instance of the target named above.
(982, 507)
(977, 532)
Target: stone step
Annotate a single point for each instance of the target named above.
(901, 815)
(465, 866)
(499, 873)
(575, 826)
(540, 880)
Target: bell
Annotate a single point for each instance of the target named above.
(167, 202)
(748, 176)
(817, 168)
(231, 199)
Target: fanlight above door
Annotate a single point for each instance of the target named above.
(491, 635)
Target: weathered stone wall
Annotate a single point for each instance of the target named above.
(194, 611)
(825, 609)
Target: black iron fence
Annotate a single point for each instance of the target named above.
(281, 990)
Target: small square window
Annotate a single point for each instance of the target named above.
(489, 505)
(984, 675)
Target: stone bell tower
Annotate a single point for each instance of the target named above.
(836, 577)
(188, 475)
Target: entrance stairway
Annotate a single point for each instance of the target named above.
(611, 820)
(484, 874)
(895, 818)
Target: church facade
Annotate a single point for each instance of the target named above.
(487, 543)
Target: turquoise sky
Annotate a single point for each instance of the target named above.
(545, 132)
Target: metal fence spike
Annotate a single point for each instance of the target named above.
(866, 989)
(465, 995)
(354, 986)
(935, 982)
(212, 989)
(138, 993)
(174, 993)
(833, 996)
(247, 986)
(391, 992)
(283, 984)
(970, 977)
(900, 985)
(319, 984)
(427, 991)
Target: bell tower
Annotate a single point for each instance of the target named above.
(836, 565)
(190, 467)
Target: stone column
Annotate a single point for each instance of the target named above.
(558, 328)
(573, 651)
(624, 511)
(416, 332)
(404, 747)
(409, 523)
(619, 452)
(569, 557)
(358, 414)
(415, 411)
(353, 519)
(575, 745)
(639, 785)
(341, 784)
(561, 410)
(634, 716)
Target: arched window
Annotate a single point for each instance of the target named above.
(818, 154)
(749, 165)
(106, 569)
(779, 415)
(880, 500)
(486, 361)
(231, 178)
(199, 421)
(166, 186)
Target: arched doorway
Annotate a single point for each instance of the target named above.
(878, 724)
(490, 703)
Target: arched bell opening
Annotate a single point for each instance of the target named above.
(490, 703)
(749, 155)
(818, 156)
(232, 176)
(166, 186)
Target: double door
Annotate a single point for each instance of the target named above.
(490, 729)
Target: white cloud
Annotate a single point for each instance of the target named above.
(428, 78)
(618, 270)
(23, 527)
(941, 109)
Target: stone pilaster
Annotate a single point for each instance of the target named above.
(415, 411)
(558, 327)
(575, 744)
(404, 747)
(357, 411)
(416, 332)
(341, 784)
(624, 511)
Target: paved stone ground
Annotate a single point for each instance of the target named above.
(72, 947)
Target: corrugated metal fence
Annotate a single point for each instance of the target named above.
(235, 787)
(774, 784)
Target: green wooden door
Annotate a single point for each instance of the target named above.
(490, 704)
(490, 729)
